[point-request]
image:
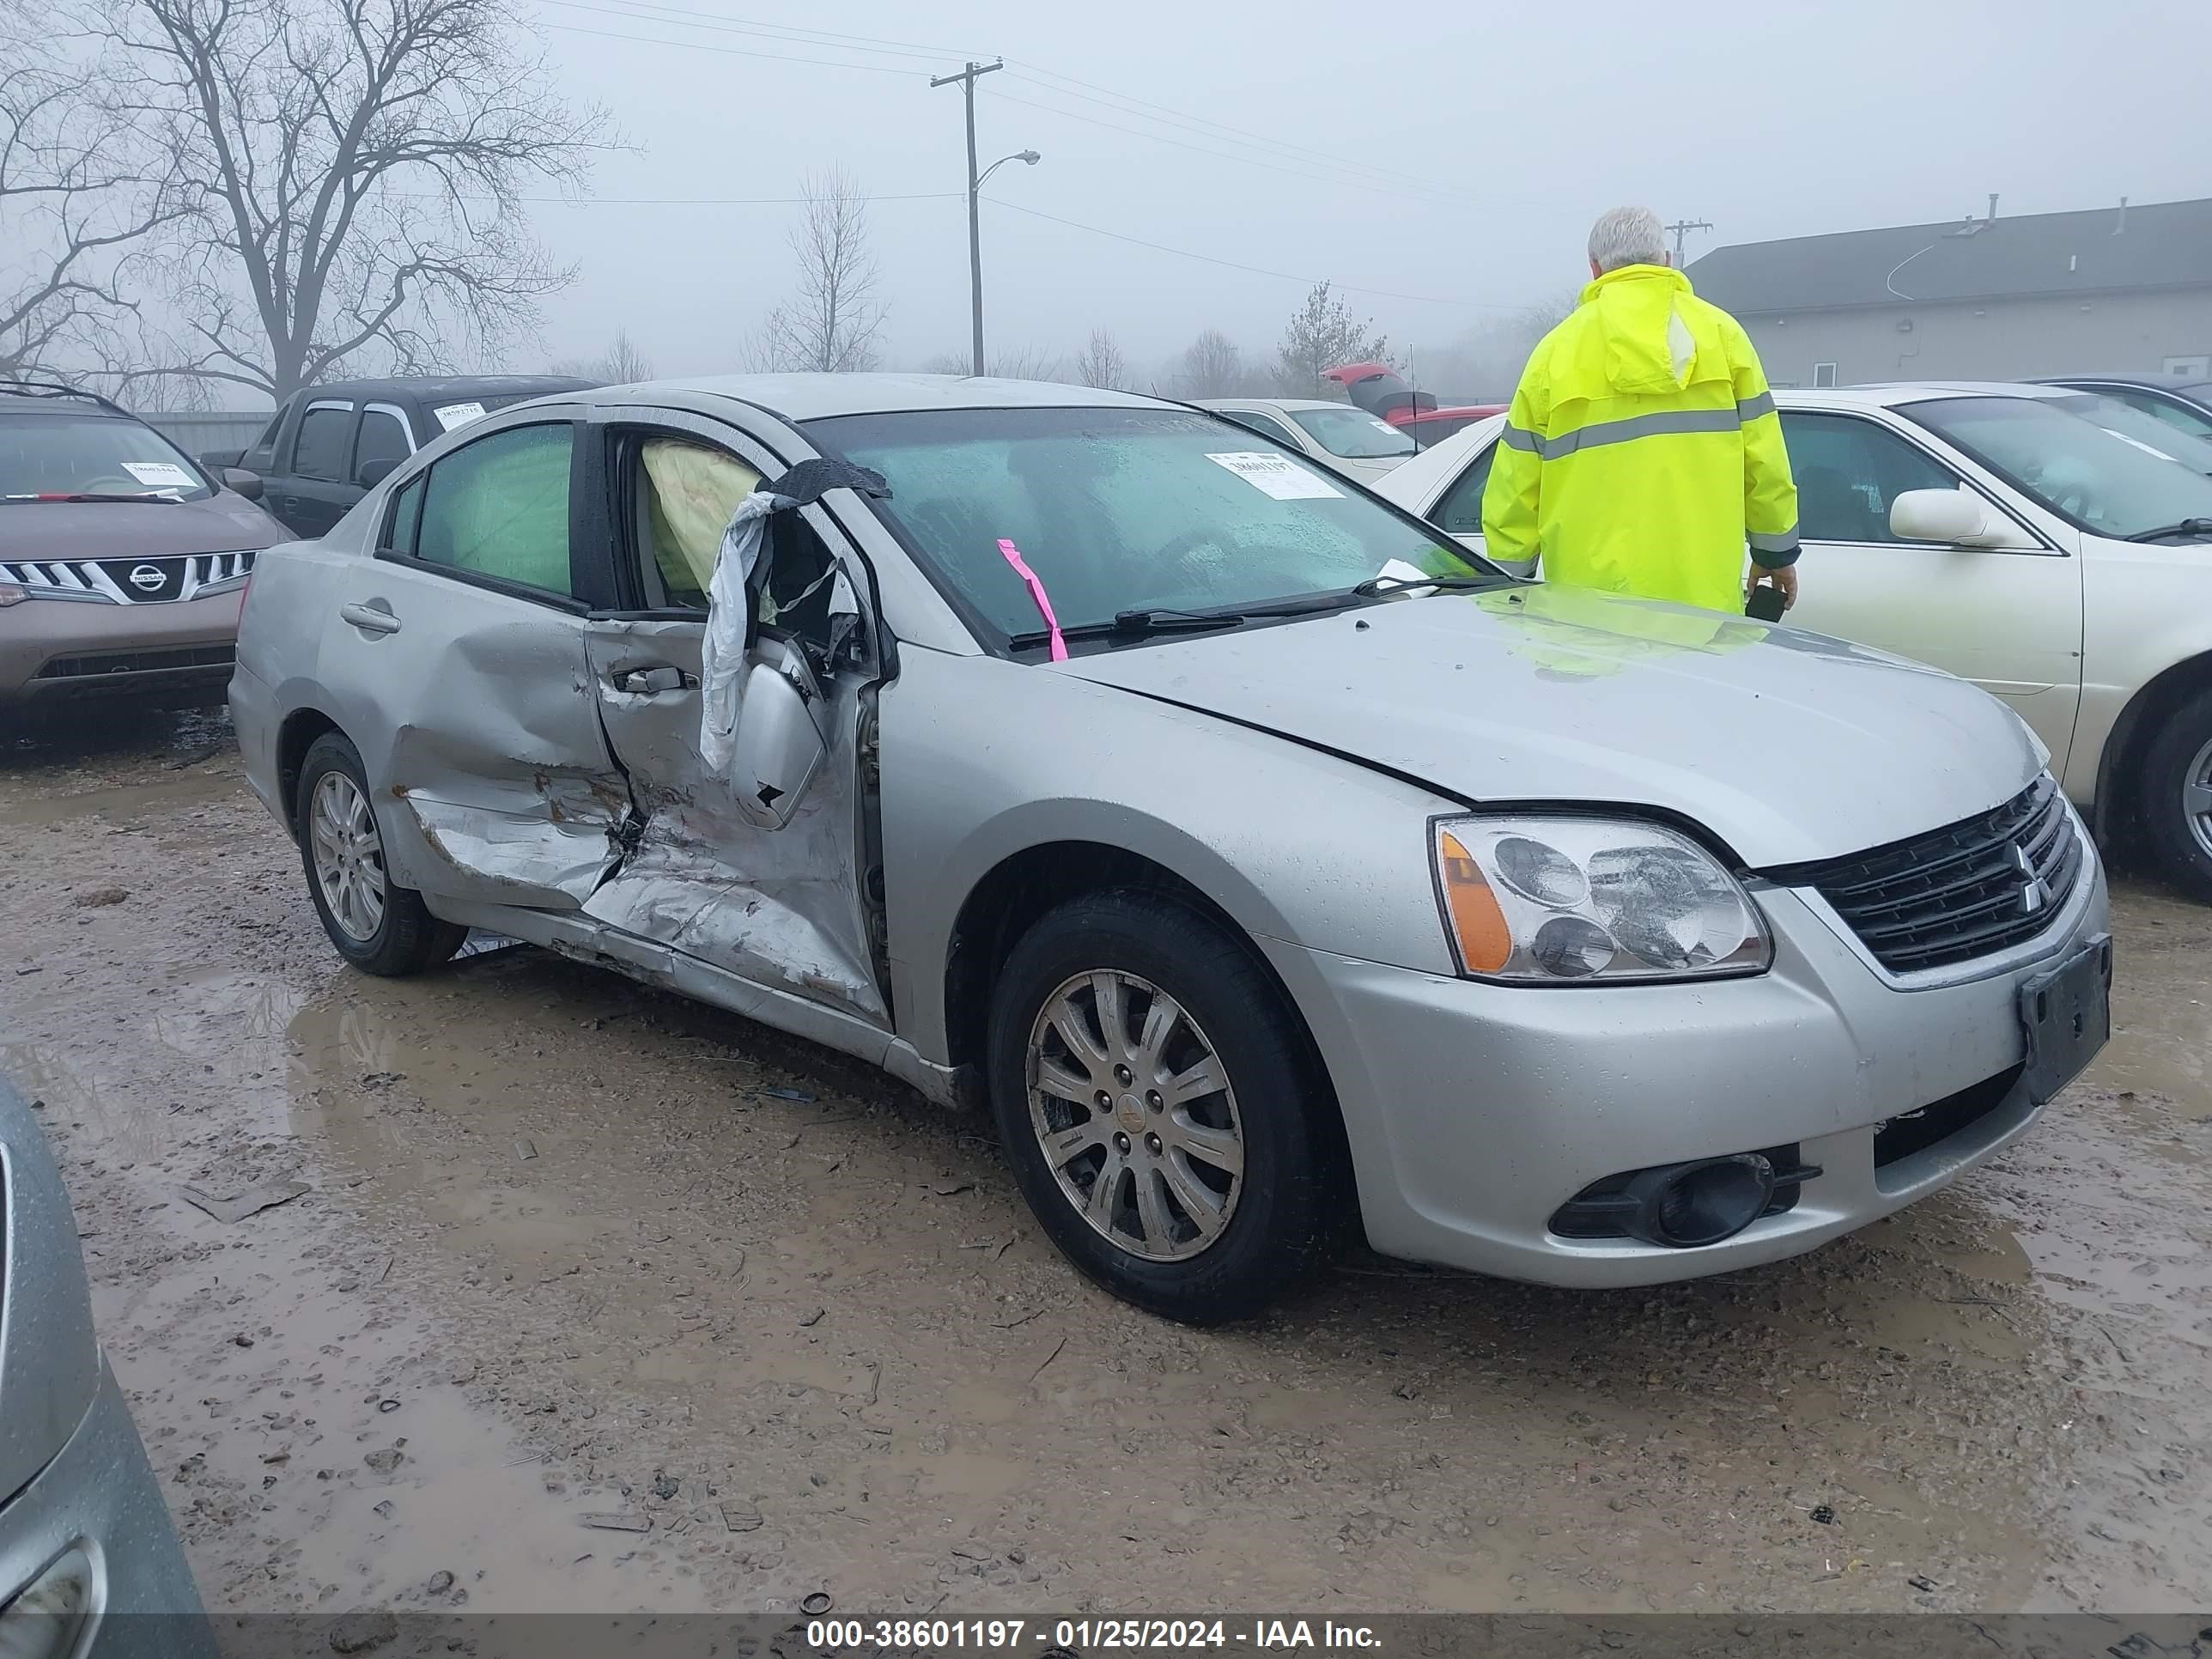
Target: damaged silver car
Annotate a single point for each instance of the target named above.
(1278, 872)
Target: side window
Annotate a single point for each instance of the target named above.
(324, 440)
(1458, 511)
(1266, 426)
(682, 494)
(2175, 415)
(260, 456)
(382, 439)
(406, 514)
(1824, 375)
(1848, 471)
(499, 508)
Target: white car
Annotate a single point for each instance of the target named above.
(2063, 566)
(1355, 443)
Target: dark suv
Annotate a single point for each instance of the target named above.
(123, 563)
(326, 445)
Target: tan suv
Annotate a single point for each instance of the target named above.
(123, 562)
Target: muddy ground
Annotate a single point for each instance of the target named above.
(601, 1300)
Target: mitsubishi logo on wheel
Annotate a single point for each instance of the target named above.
(2035, 892)
(148, 578)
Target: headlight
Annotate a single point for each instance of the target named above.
(1559, 901)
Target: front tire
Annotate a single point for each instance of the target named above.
(2176, 800)
(378, 926)
(1160, 1108)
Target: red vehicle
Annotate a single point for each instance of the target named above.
(1376, 388)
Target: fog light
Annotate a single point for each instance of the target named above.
(46, 1619)
(1687, 1205)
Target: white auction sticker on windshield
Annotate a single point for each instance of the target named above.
(453, 415)
(166, 475)
(1278, 476)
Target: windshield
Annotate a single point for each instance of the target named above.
(1431, 430)
(66, 452)
(1124, 509)
(2128, 422)
(1352, 433)
(2095, 479)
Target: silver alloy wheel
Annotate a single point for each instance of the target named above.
(2197, 797)
(1134, 1111)
(349, 855)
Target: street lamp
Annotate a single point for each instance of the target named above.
(1027, 157)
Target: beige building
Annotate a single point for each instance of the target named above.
(2110, 288)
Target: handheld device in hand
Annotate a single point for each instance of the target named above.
(1765, 604)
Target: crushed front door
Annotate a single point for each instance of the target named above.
(784, 907)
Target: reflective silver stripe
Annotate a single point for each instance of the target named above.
(1748, 409)
(1780, 542)
(1515, 438)
(1664, 421)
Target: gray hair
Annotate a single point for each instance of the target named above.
(1627, 236)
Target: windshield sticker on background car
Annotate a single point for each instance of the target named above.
(166, 475)
(453, 415)
(1276, 476)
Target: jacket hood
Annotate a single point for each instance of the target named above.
(1788, 745)
(223, 523)
(1648, 348)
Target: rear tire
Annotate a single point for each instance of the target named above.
(1218, 1197)
(2175, 796)
(378, 926)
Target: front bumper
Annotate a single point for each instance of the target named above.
(100, 1498)
(1475, 1110)
(53, 651)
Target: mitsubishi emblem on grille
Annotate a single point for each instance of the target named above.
(148, 578)
(2034, 892)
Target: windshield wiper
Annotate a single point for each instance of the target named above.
(88, 495)
(1136, 625)
(2186, 527)
(1376, 586)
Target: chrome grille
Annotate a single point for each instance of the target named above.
(1959, 893)
(130, 581)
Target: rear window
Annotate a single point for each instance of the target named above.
(66, 452)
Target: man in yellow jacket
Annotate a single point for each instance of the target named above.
(1641, 450)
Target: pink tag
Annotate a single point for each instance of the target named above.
(1036, 592)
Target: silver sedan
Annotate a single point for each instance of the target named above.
(1277, 871)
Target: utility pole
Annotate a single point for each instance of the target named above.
(1682, 227)
(967, 80)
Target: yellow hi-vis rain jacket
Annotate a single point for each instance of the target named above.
(1643, 450)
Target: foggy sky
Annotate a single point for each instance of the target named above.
(1519, 121)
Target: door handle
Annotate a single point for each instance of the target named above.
(656, 680)
(369, 618)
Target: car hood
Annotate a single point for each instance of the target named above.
(1787, 746)
(133, 530)
(49, 1358)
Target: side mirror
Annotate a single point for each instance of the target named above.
(237, 479)
(779, 746)
(369, 474)
(221, 460)
(1955, 516)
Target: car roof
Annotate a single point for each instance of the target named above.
(2161, 378)
(818, 396)
(424, 387)
(45, 397)
(1288, 405)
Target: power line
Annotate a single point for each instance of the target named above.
(643, 11)
(1306, 174)
(728, 52)
(1232, 265)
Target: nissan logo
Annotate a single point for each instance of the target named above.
(148, 578)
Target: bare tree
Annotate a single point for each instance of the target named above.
(831, 324)
(621, 364)
(1100, 363)
(1321, 334)
(77, 192)
(1212, 367)
(355, 175)
(1027, 363)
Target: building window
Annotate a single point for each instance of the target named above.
(1824, 375)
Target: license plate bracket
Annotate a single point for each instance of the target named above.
(2066, 1016)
